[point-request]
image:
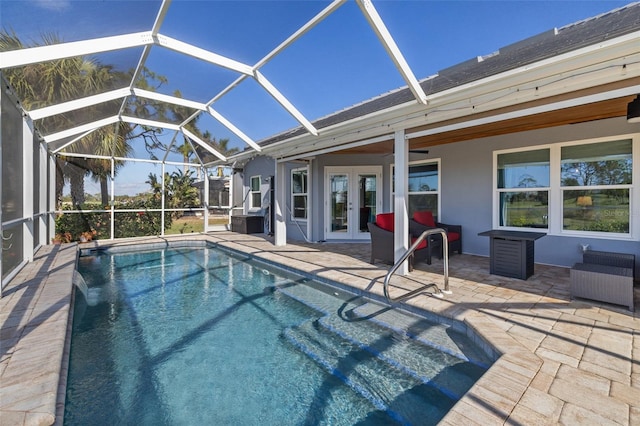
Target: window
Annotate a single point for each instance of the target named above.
(424, 193)
(595, 185)
(255, 193)
(299, 200)
(570, 188)
(523, 188)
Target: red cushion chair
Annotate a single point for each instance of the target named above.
(386, 221)
(423, 220)
(382, 242)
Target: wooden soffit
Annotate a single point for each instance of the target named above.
(609, 108)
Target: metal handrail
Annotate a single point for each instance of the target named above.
(409, 252)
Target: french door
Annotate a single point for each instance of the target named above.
(351, 200)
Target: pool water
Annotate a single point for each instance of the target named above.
(199, 336)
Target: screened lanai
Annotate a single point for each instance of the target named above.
(124, 119)
(121, 119)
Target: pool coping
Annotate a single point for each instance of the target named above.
(491, 399)
(35, 337)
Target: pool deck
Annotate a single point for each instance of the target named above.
(560, 361)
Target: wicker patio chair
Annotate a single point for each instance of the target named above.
(423, 220)
(382, 244)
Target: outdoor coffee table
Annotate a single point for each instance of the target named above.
(511, 253)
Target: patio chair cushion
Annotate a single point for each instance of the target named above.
(385, 221)
(423, 243)
(453, 236)
(425, 218)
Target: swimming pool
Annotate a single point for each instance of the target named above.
(202, 336)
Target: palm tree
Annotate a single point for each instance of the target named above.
(48, 83)
(116, 145)
(179, 191)
(220, 145)
(223, 147)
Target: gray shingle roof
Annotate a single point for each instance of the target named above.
(546, 45)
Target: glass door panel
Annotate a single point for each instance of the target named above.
(339, 200)
(367, 200)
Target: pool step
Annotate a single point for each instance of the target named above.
(450, 374)
(440, 336)
(391, 390)
(319, 298)
(355, 309)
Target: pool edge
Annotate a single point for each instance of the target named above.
(492, 398)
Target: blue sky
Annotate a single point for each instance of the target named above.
(335, 65)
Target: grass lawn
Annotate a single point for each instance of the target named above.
(189, 224)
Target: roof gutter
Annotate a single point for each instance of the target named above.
(617, 59)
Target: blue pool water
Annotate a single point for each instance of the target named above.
(198, 336)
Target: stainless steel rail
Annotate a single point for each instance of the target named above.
(409, 252)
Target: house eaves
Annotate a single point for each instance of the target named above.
(589, 53)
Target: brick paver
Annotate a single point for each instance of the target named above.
(562, 361)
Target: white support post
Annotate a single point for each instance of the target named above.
(229, 125)
(280, 227)
(27, 189)
(401, 217)
(309, 199)
(162, 200)
(284, 102)
(32, 55)
(392, 49)
(1, 228)
(205, 198)
(51, 208)
(43, 208)
(112, 200)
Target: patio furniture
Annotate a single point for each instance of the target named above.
(605, 277)
(423, 220)
(511, 253)
(247, 224)
(382, 242)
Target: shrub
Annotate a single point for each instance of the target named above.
(86, 226)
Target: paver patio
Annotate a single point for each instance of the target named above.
(562, 361)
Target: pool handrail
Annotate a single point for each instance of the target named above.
(409, 252)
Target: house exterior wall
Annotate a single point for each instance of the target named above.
(466, 188)
(265, 168)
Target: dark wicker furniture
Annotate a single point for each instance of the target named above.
(423, 220)
(511, 253)
(382, 245)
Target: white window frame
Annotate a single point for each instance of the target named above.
(555, 206)
(252, 192)
(409, 193)
(299, 194)
(549, 189)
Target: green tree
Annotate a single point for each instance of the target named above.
(179, 191)
(48, 83)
